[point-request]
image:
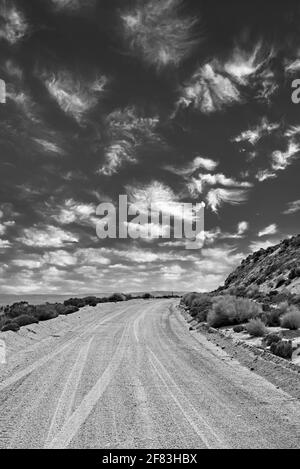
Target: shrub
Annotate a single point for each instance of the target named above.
(117, 297)
(238, 328)
(25, 320)
(146, 296)
(252, 291)
(18, 309)
(295, 300)
(69, 310)
(78, 302)
(256, 328)
(228, 310)
(200, 307)
(45, 312)
(283, 349)
(271, 339)
(90, 301)
(10, 326)
(291, 320)
(188, 298)
(274, 315)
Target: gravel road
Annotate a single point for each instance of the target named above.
(132, 375)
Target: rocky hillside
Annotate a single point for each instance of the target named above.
(275, 268)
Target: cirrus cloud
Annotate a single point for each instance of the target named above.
(158, 33)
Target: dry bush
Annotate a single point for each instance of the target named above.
(291, 320)
(256, 328)
(283, 349)
(228, 310)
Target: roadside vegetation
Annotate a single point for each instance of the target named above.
(271, 317)
(14, 316)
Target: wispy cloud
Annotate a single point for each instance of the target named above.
(199, 162)
(72, 211)
(243, 226)
(126, 132)
(5, 243)
(48, 236)
(158, 33)
(74, 96)
(49, 147)
(13, 23)
(221, 83)
(254, 134)
(197, 185)
(269, 230)
(293, 207)
(282, 159)
(209, 90)
(217, 197)
(257, 245)
(264, 175)
(72, 5)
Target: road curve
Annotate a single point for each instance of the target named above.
(131, 375)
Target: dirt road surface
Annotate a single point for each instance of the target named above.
(132, 375)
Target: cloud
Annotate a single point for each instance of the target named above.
(75, 97)
(293, 207)
(160, 198)
(221, 83)
(48, 236)
(71, 211)
(208, 91)
(72, 5)
(60, 258)
(217, 197)
(257, 245)
(256, 133)
(49, 147)
(196, 186)
(126, 132)
(172, 272)
(116, 155)
(13, 23)
(269, 230)
(243, 226)
(197, 163)
(211, 236)
(264, 174)
(27, 263)
(158, 33)
(5, 243)
(293, 131)
(282, 159)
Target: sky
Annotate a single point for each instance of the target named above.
(165, 101)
